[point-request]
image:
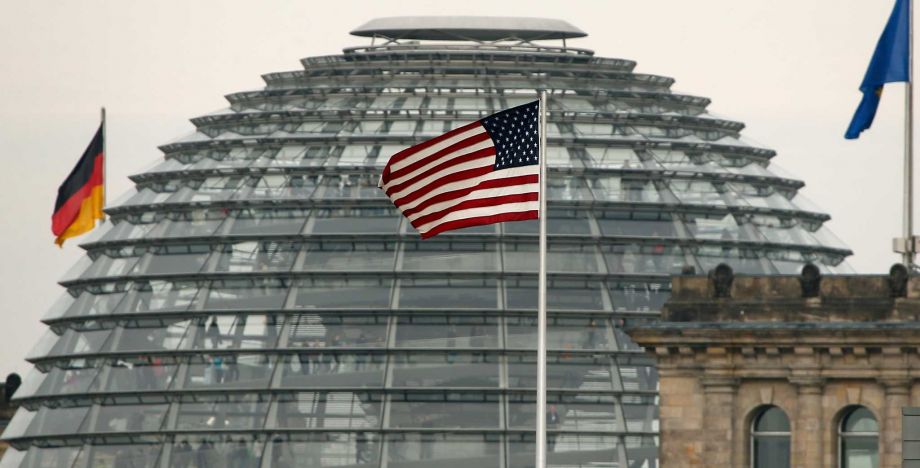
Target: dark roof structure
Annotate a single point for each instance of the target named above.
(466, 28)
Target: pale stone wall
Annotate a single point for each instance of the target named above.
(714, 378)
(706, 407)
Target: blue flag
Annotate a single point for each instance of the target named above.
(890, 63)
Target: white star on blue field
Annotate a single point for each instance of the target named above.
(516, 135)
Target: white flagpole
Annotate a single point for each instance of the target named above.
(541, 297)
(105, 163)
(908, 227)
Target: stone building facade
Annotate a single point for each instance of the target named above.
(836, 356)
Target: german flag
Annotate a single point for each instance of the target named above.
(81, 197)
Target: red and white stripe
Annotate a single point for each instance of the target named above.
(449, 182)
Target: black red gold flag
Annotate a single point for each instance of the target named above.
(82, 195)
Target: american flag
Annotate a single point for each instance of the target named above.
(481, 173)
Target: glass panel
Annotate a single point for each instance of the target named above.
(567, 188)
(196, 223)
(565, 450)
(772, 419)
(569, 413)
(351, 293)
(563, 371)
(716, 227)
(772, 452)
(20, 423)
(561, 294)
(349, 256)
(782, 231)
(233, 452)
(452, 256)
(234, 332)
(567, 158)
(642, 297)
(75, 378)
(80, 342)
(141, 373)
(641, 413)
(637, 224)
(133, 418)
(88, 303)
(229, 371)
(264, 222)
(126, 230)
(44, 345)
(742, 261)
(348, 186)
(569, 258)
(638, 378)
(235, 412)
(627, 188)
(334, 331)
(428, 449)
(355, 220)
(327, 369)
(613, 158)
(159, 296)
(268, 293)
(444, 410)
(31, 384)
(445, 370)
(329, 410)
(57, 421)
(459, 293)
(859, 452)
(860, 420)
(560, 222)
(150, 335)
(59, 457)
(59, 308)
(698, 192)
(562, 333)
(13, 458)
(290, 450)
(173, 259)
(645, 259)
(446, 331)
(105, 266)
(279, 187)
(245, 257)
(133, 456)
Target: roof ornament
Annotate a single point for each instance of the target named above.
(722, 278)
(810, 280)
(482, 29)
(897, 280)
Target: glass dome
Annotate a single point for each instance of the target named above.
(256, 301)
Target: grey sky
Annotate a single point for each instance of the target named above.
(789, 69)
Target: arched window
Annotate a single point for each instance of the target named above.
(858, 439)
(770, 441)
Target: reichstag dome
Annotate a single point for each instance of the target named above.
(256, 301)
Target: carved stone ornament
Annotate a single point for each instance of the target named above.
(810, 281)
(722, 277)
(897, 280)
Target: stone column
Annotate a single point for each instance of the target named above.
(808, 428)
(897, 393)
(718, 419)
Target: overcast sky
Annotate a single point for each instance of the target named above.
(789, 69)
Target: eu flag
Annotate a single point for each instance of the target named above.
(890, 63)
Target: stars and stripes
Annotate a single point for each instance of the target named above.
(481, 173)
